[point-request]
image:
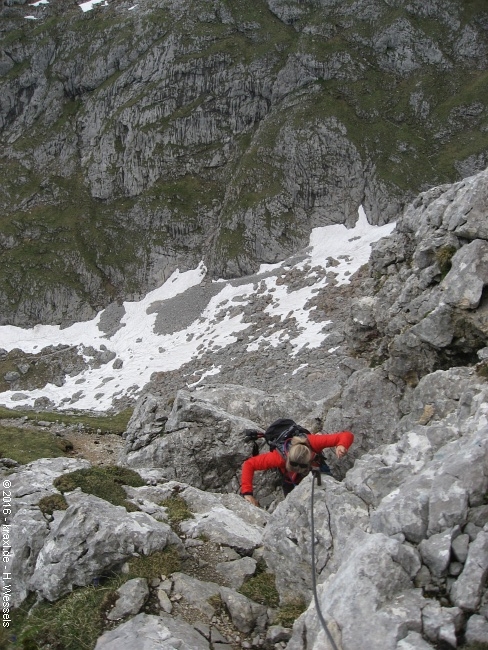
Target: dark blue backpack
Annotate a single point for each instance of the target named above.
(277, 435)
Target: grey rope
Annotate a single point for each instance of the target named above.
(316, 474)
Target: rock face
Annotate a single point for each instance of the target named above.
(400, 532)
(223, 133)
(400, 543)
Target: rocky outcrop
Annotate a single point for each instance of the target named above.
(400, 576)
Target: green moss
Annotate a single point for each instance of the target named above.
(290, 611)
(51, 503)
(261, 588)
(443, 257)
(160, 563)
(26, 445)
(103, 482)
(177, 510)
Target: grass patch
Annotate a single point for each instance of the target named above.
(160, 563)
(290, 611)
(25, 445)
(51, 503)
(104, 423)
(77, 620)
(72, 623)
(177, 510)
(443, 257)
(103, 482)
(261, 588)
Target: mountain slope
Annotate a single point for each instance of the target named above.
(139, 139)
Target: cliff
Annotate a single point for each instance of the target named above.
(139, 139)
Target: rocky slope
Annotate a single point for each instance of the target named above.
(138, 139)
(401, 528)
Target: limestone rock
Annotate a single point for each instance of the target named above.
(477, 630)
(245, 613)
(130, 599)
(196, 592)
(237, 571)
(149, 632)
(93, 536)
(466, 591)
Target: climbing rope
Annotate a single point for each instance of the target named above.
(316, 475)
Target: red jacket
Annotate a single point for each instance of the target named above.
(273, 459)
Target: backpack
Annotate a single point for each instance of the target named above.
(277, 435)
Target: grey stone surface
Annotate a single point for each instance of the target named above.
(131, 596)
(467, 590)
(223, 526)
(148, 632)
(436, 552)
(442, 624)
(196, 592)
(476, 630)
(237, 571)
(460, 547)
(246, 615)
(413, 641)
(92, 537)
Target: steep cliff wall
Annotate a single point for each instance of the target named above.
(138, 139)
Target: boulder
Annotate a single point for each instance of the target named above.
(222, 526)
(92, 537)
(201, 445)
(436, 551)
(287, 536)
(236, 571)
(370, 597)
(476, 630)
(196, 592)
(467, 590)
(246, 615)
(131, 596)
(464, 283)
(148, 632)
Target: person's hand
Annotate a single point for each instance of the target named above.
(251, 499)
(340, 451)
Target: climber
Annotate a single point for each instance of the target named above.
(294, 458)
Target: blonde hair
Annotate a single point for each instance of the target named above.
(299, 451)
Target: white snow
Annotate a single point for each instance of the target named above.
(143, 351)
(88, 6)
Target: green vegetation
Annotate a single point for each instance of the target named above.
(261, 587)
(103, 482)
(177, 510)
(25, 445)
(482, 369)
(91, 423)
(290, 611)
(77, 620)
(160, 563)
(51, 503)
(443, 257)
